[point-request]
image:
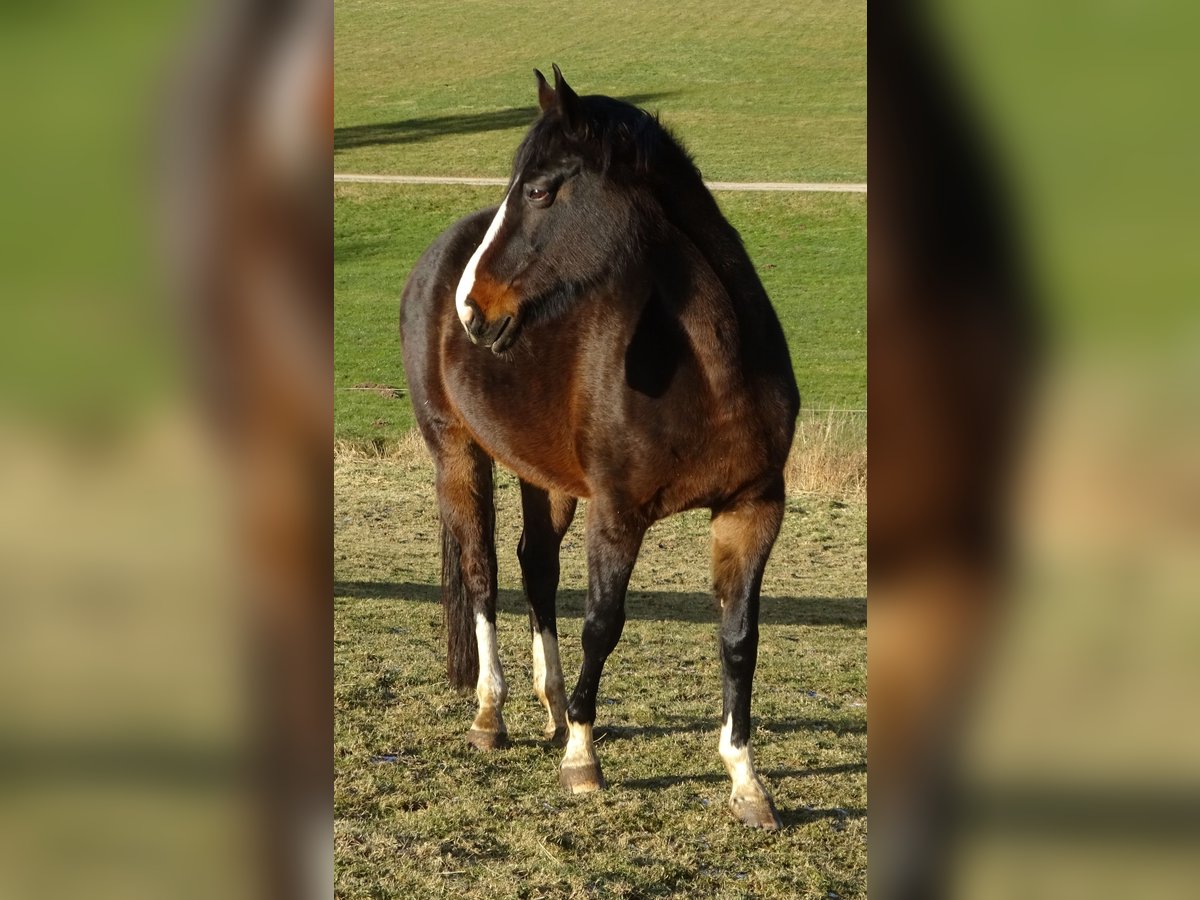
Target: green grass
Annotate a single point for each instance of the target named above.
(418, 814)
(810, 251)
(761, 92)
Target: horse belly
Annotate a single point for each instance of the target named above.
(550, 465)
(546, 460)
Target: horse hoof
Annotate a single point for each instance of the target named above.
(556, 736)
(581, 779)
(756, 812)
(487, 740)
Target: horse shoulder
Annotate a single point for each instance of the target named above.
(427, 310)
(744, 412)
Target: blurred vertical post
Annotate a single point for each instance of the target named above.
(952, 350)
(165, 433)
(250, 215)
(1033, 500)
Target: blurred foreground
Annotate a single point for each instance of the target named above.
(165, 432)
(165, 403)
(1034, 498)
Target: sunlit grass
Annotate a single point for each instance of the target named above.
(770, 91)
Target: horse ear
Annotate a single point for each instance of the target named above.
(546, 97)
(568, 101)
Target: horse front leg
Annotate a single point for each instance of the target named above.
(743, 534)
(614, 537)
(547, 516)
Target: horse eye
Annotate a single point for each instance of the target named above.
(537, 195)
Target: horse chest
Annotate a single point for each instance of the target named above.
(522, 415)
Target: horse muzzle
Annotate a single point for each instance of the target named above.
(498, 334)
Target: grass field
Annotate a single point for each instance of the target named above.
(761, 92)
(776, 92)
(418, 814)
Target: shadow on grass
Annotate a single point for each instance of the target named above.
(672, 606)
(789, 817)
(622, 732)
(412, 131)
(804, 815)
(772, 775)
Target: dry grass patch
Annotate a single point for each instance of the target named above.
(829, 455)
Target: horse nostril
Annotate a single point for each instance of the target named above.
(504, 335)
(473, 320)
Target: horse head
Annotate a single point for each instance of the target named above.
(572, 217)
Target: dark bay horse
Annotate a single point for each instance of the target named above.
(602, 334)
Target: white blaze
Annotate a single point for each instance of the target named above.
(490, 689)
(467, 281)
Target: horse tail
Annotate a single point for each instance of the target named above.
(462, 653)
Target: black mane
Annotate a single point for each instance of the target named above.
(615, 138)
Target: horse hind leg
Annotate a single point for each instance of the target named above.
(743, 534)
(464, 487)
(547, 516)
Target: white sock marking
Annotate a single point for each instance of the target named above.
(738, 763)
(547, 677)
(539, 666)
(490, 689)
(467, 281)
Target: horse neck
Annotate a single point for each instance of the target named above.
(726, 306)
(693, 211)
(675, 272)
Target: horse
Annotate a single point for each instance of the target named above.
(603, 335)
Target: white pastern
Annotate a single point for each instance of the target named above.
(580, 751)
(539, 666)
(739, 764)
(548, 679)
(547, 669)
(467, 281)
(490, 689)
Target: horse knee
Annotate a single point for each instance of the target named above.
(602, 631)
(739, 651)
